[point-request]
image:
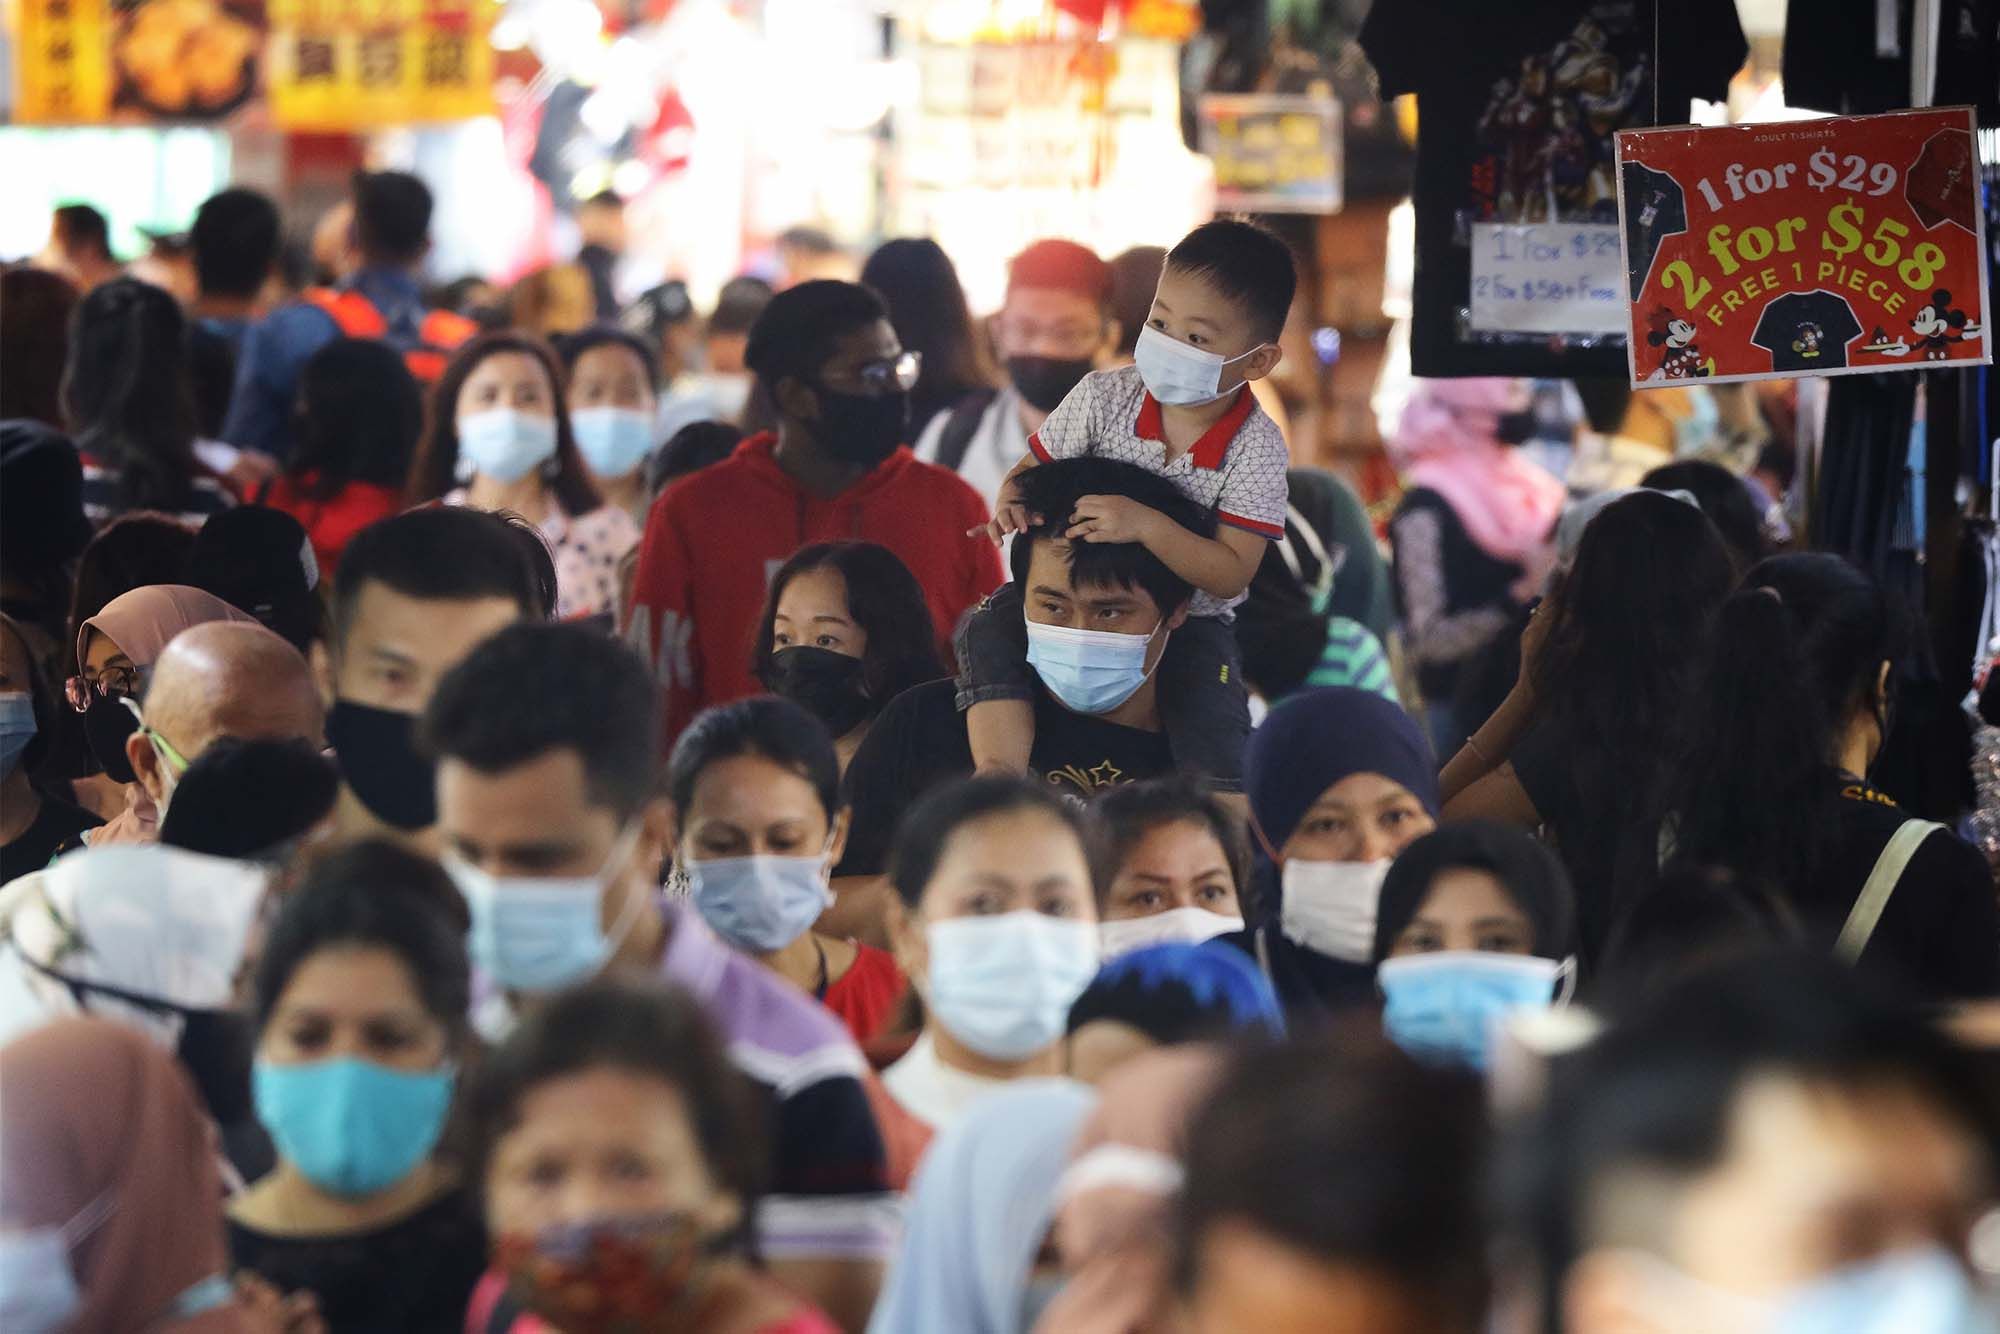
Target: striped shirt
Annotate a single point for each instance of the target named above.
(829, 1196)
(102, 502)
(1353, 657)
(1236, 469)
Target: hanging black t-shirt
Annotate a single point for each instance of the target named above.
(1836, 58)
(1655, 209)
(919, 741)
(1517, 105)
(1807, 331)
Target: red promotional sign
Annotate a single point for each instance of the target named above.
(1818, 247)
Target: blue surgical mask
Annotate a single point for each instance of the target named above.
(760, 904)
(1445, 1008)
(1180, 375)
(1923, 1290)
(38, 1289)
(1089, 671)
(542, 933)
(17, 729)
(1003, 985)
(503, 444)
(613, 441)
(352, 1127)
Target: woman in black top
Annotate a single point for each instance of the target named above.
(361, 1001)
(1787, 717)
(34, 825)
(1600, 696)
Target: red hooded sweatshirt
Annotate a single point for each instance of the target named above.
(715, 538)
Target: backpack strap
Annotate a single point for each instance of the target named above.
(1881, 882)
(962, 425)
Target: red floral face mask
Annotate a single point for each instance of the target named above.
(608, 1275)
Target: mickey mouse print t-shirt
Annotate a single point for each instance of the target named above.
(1807, 331)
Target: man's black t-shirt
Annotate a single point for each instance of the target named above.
(1519, 103)
(919, 741)
(1807, 331)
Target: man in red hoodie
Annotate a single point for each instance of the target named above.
(828, 360)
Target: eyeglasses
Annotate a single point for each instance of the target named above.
(80, 690)
(897, 375)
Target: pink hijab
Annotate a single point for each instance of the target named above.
(1445, 442)
(145, 620)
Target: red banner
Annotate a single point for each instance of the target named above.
(1818, 247)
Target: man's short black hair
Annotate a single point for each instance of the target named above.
(812, 240)
(446, 554)
(83, 228)
(1247, 264)
(795, 335)
(392, 216)
(531, 689)
(1051, 492)
(1655, 1097)
(739, 304)
(235, 238)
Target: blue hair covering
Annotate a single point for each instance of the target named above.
(1318, 737)
(979, 1210)
(1181, 993)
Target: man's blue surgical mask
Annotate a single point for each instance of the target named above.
(1445, 1007)
(17, 729)
(543, 933)
(1089, 671)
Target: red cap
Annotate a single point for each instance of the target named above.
(1064, 266)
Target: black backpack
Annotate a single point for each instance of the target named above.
(961, 425)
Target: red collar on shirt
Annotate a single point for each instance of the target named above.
(1208, 451)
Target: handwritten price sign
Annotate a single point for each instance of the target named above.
(1822, 247)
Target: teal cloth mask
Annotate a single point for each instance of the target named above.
(352, 1127)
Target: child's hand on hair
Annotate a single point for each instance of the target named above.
(1110, 519)
(1009, 516)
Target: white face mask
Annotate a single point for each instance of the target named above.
(1003, 985)
(38, 1292)
(1183, 926)
(504, 444)
(543, 933)
(613, 441)
(1178, 374)
(1330, 906)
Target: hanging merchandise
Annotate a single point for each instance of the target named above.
(1823, 247)
(1517, 192)
(1852, 57)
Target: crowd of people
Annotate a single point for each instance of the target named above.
(571, 814)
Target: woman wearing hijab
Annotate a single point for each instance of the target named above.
(110, 1198)
(1113, 1225)
(1472, 536)
(979, 1215)
(1340, 781)
(1477, 921)
(114, 651)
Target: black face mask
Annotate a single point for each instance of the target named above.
(1046, 381)
(106, 724)
(861, 428)
(826, 683)
(377, 754)
(1515, 428)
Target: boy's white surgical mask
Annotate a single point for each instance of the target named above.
(1178, 374)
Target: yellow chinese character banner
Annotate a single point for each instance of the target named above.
(326, 65)
(367, 64)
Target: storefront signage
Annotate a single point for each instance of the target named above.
(1818, 247)
(1553, 277)
(365, 64)
(1273, 152)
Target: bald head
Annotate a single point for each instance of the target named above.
(230, 678)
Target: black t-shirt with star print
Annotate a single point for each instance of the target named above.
(919, 742)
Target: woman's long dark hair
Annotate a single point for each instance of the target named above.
(1631, 621)
(360, 415)
(129, 395)
(916, 281)
(1797, 650)
(435, 469)
(884, 599)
